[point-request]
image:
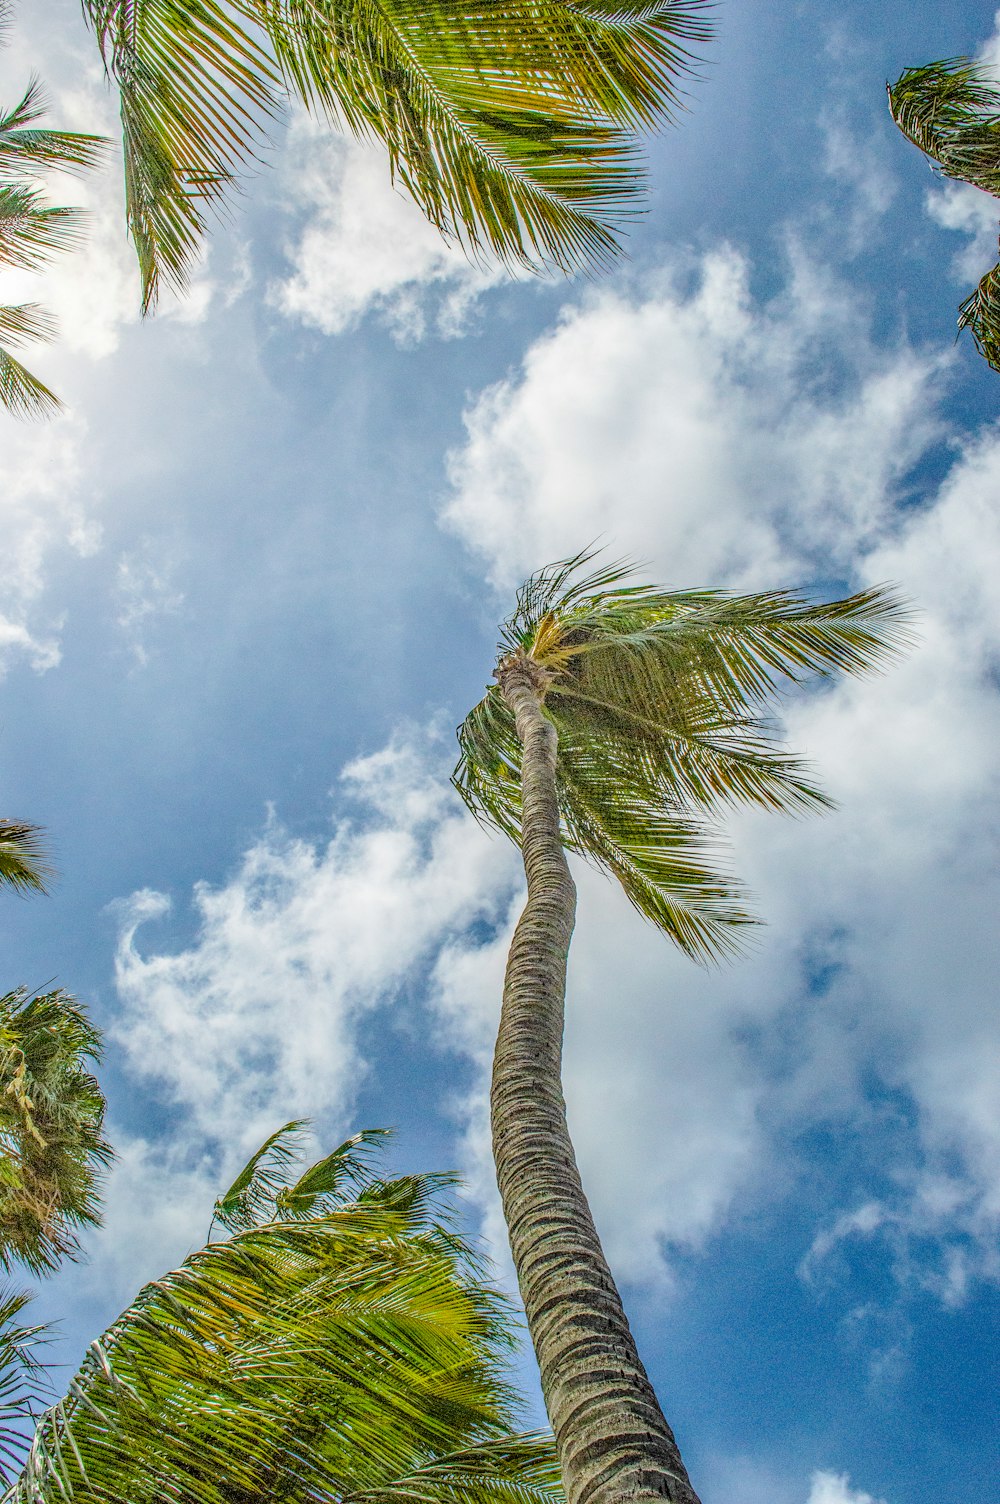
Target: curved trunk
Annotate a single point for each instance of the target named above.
(613, 1441)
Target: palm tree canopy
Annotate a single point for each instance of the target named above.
(342, 1344)
(951, 111)
(32, 231)
(659, 702)
(52, 1150)
(512, 123)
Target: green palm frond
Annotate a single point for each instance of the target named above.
(951, 111)
(513, 125)
(250, 1199)
(31, 231)
(24, 145)
(23, 1381)
(24, 865)
(52, 1149)
(659, 700)
(352, 1355)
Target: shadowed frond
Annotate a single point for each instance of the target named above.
(23, 1381)
(659, 701)
(24, 865)
(951, 111)
(513, 125)
(52, 1150)
(352, 1355)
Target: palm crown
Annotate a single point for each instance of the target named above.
(951, 111)
(342, 1344)
(658, 699)
(52, 1149)
(513, 125)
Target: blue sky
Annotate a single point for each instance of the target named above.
(253, 576)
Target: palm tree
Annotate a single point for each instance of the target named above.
(22, 1382)
(342, 1344)
(31, 232)
(951, 111)
(622, 718)
(52, 1150)
(514, 124)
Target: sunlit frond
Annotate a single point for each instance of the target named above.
(514, 126)
(352, 1355)
(26, 146)
(23, 1381)
(660, 700)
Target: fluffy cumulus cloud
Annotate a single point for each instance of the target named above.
(257, 1021)
(364, 247)
(692, 430)
(835, 1488)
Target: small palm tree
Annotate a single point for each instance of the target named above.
(342, 1344)
(52, 1150)
(31, 232)
(512, 123)
(951, 111)
(622, 720)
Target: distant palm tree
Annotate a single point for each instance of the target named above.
(514, 124)
(52, 1149)
(30, 231)
(622, 716)
(342, 1344)
(951, 111)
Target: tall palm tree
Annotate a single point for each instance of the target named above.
(951, 111)
(514, 124)
(622, 719)
(31, 232)
(342, 1344)
(52, 1148)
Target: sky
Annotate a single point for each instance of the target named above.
(253, 575)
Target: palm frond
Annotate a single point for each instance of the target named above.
(24, 865)
(23, 1381)
(354, 1354)
(52, 1148)
(660, 701)
(32, 232)
(326, 1184)
(26, 145)
(951, 111)
(250, 1200)
(513, 126)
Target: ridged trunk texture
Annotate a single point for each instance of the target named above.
(613, 1441)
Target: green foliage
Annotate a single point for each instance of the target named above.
(354, 1353)
(23, 865)
(951, 111)
(22, 1382)
(659, 701)
(52, 1152)
(31, 232)
(513, 125)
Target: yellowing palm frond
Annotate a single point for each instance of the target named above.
(659, 701)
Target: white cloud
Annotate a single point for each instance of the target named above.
(257, 1020)
(959, 206)
(145, 591)
(366, 248)
(835, 1488)
(41, 513)
(699, 430)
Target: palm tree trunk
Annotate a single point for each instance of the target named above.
(613, 1441)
